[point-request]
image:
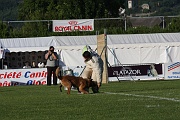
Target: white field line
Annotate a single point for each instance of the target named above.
(145, 96)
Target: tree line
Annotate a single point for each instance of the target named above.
(29, 11)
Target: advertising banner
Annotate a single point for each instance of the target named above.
(136, 72)
(14, 77)
(38, 76)
(172, 70)
(35, 76)
(73, 25)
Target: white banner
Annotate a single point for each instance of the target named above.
(33, 76)
(14, 77)
(73, 25)
(172, 70)
(38, 76)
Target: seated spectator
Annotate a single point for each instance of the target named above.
(34, 65)
(40, 64)
(27, 65)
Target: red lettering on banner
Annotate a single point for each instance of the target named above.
(5, 83)
(68, 28)
(43, 74)
(83, 28)
(36, 82)
(73, 22)
(10, 75)
(63, 28)
(38, 74)
(5, 75)
(43, 82)
(56, 28)
(39, 82)
(18, 75)
(75, 28)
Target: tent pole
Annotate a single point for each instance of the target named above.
(2, 62)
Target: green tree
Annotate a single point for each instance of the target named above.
(4, 32)
(174, 25)
(68, 9)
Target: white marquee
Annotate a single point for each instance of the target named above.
(128, 48)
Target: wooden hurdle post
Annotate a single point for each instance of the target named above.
(102, 50)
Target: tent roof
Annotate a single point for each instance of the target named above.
(144, 40)
(77, 42)
(43, 43)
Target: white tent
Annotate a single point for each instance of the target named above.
(146, 48)
(43, 43)
(128, 48)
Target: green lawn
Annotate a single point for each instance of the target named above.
(126, 100)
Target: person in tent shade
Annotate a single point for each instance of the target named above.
(41, 65)
(27, 66)
(34, 65)
(94, 67)
(153, 71)
(51, 64)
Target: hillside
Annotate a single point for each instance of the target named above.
(9, 8)
(159, 7)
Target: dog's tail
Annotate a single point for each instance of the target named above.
(58, 73)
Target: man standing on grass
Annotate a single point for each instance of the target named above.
(93, 69)
(52, 64)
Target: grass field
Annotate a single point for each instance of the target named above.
(126, 100)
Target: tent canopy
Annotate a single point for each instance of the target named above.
(128, 48)
(113, 41)
(43, 43)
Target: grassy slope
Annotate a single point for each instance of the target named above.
(47, 103)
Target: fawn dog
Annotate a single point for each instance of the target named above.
(69, 81)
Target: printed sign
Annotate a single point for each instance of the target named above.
(15, 77)
(73, 25)
(136, 72)
(36, 76)
(172, 70)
